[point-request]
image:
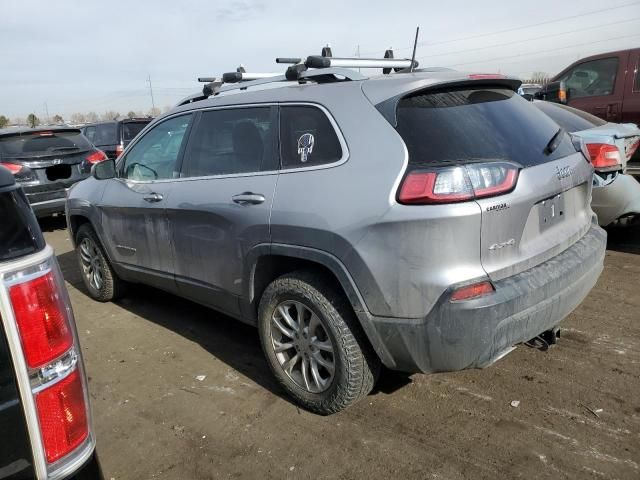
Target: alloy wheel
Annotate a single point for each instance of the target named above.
(302, 346)
(91, 263)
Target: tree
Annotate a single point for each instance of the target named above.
(4, 121)
(92, 117)
(131, 114)
(541, 78)
(32, 120)
(78, 118)
(110, 115)
(58, 119)
(153, 112)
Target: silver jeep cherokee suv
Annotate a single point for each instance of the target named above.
(427, 221)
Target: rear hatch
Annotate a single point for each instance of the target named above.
(534, 186)
(47, 160)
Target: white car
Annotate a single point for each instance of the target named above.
(616, 195)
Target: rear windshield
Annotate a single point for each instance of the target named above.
(488, 124)
(28, 144)
(19, 231)
(571, 119)
(131, 129)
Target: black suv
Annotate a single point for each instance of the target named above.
(46, 161)
(113, 137)
(45, 420)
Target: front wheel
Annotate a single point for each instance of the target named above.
(313, 343)
(98, 276)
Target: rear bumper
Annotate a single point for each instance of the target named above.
(475, 333)
(46, 202)
(48, 207)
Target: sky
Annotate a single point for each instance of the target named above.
(79, 55)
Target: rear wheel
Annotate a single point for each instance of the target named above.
(314, 344)
(98, 276)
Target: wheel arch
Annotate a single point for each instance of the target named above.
(267, 262)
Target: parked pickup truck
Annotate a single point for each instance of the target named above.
(45, 422)
(605, 85)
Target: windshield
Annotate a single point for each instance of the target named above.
(41, 143)
(484, 124)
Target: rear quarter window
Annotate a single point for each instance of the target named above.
(19, 231)
(307, 137)
(106, 134)
(482, 124)
(131, 129)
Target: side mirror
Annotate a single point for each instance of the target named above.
(104, 170)
(556, 92)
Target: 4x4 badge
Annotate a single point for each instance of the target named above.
(305, 146)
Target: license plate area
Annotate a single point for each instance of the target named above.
(551, 211)
(58, 172)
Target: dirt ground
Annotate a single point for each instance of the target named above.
(578, 416)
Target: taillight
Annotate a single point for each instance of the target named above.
(458, 184)
(604, 155)
(119, 149)
(42, 320)
(63, 416)
(96, 157)
(45, 329)
(12, 167)
(469, 292)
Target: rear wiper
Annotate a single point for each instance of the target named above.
(554, 142)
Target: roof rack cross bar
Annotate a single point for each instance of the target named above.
(288, 60)
(326, 62)
(235, 77)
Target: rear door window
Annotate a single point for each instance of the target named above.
(571, 119)
(307, 137)
(43, 143)
(470, 125)
(232, 141)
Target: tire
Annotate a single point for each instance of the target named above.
(92, 259)
(341, 377)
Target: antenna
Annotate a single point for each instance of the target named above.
(415, 45)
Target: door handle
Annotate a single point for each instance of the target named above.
(248, 198)
(153, 197)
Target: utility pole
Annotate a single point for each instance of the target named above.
(46, 109)
(153, 104)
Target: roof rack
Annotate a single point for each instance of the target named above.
(324, 68)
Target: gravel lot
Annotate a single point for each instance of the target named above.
(578, 416)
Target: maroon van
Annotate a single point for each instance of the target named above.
(605, 85)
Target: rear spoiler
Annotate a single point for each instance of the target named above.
(388, 107)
